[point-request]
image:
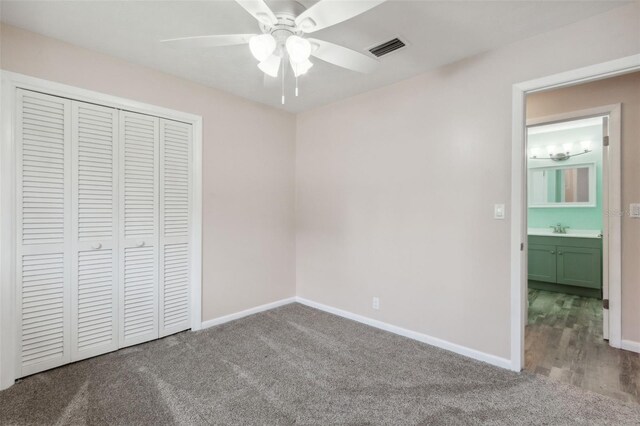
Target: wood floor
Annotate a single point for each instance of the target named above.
(563, 340)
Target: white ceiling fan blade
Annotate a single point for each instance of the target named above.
(326, 13)
(211, 40)
(259, 10)
(342, 56)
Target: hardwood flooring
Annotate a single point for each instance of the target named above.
(563, 340)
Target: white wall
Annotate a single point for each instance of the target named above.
(248, 166)
(395, 187)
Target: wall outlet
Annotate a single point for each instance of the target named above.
(376, 303)
(634, 210)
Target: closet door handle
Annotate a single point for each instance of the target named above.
(553, 252)
(96, 246)
(140, 244)
(560, 253)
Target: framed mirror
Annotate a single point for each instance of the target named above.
(563, 186)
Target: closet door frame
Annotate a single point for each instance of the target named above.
(10, 82)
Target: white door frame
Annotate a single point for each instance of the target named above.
(519, 201)
(9, 83)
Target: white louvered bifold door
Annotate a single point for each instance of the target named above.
(94, 279)
(139, 201)
(175, 213)
(43, 231)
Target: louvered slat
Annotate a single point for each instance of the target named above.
(43, 169)
(43, 310)
(139, 157)
(175, 212)
(175, 281)
(95, 159)
(43, 181)
(139, 289)
(176, 143)
(140, 169)
(96, 310)
(94, 266)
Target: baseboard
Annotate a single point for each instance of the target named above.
(247, 312)
(424, 338)
(630, 345)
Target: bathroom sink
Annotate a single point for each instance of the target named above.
(571, 233)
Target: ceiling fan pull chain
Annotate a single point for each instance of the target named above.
(283, 71)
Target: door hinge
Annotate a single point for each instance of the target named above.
(521, 246)
(605, 141)
(605, 303)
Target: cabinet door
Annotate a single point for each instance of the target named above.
(138, 228)
(94, 270)
(580, 267)
(175, 213)
(43, 231)
(542, 263)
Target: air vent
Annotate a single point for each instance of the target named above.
(387, 47)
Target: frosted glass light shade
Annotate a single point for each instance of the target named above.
(270, 66)
(298, 48)
(586, 145)
(301, 68)
(262, 46)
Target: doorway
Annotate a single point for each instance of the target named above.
(567, 158)
(608, 321)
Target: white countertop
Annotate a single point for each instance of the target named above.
(571, 233)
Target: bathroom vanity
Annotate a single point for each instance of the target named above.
(568, 263)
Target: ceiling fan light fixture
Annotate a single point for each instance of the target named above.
(262, 46)
(270, 66)
(301, 68)
(298, 48)
(307, 25)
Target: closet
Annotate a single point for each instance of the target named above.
(103, 226)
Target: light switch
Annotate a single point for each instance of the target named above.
(634, 210)
(498, 211)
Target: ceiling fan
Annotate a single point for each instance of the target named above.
(283, 37)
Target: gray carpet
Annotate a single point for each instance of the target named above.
(297, 365)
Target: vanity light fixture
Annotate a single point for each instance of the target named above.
(560, 153)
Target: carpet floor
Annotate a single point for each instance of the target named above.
(298, 365)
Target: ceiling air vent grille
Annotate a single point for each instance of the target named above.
(387, 47)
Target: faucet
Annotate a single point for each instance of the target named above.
(559, 229)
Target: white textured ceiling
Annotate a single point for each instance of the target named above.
(438, 32)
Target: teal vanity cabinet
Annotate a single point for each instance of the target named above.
(566, 264)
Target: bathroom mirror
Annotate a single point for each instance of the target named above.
(563, 186)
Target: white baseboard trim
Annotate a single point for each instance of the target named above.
(434, 341)
(630, 345)
(247, 312)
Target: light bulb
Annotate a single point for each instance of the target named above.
(535, 152)
(301, 68)
(586, 145)
(262, 46)
(551, 149)
(270, 66)
(298, 48)
(567, 147)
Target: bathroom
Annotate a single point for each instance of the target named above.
(565, 213)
